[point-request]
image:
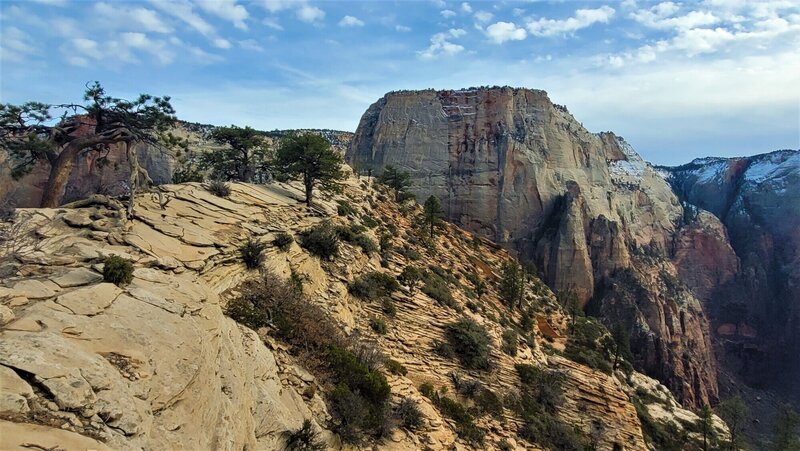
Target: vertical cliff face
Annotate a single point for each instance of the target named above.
(511, 165)
(757, 313)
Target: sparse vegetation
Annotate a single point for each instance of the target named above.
(510, 342)
(470, 342)
(450, 408)
(397, 180)
(379, 326)
(245, 156)
(395, 367)
(409, 414)
(438, 289)
(373, 285)
(410, 277)
(117, 270)
(305, 438)
(584, 345)
(252, 252)
(283, 241)
(321, 240)
(219, 188)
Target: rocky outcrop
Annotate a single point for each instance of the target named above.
(511, 165)
(757, 312)
(156, 365)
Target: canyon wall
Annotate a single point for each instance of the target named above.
(596, 219)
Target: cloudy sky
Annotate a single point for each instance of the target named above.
(677, 80)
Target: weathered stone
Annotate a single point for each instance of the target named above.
(6, 315)
(33, 289)
(78, 218)
(90, 300)
(78, 277)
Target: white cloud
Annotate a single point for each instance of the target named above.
(52, 2)
(228, 10)
(456, 32)
(310, 14)
(447, 13)
(119, 17)
(77, 61)
(221, 43)
(87, 47)
(441, 46)
(661, 16)
(140, 41)
(251, 44)
(273, 23)
(275, 6)
(466, 7)
(183, 10)
(483, 16)
(402, 28)
(351, 21)
(583, 18)
(501, 32)
(15, 45)
(65, 27)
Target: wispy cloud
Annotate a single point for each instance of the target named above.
(351, 21)
(583, 18)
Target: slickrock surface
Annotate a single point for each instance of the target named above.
(156, 365)
(511, 165)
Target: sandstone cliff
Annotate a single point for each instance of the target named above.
(156, 365)
(757, 313)
(596, 219)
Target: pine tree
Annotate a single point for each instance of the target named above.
(512, 284)
(432, 213)
(397, 180)
(735, 413)
(310, 158)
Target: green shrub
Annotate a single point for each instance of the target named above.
(409, 253)
(470, 341)
(360, 401)
(354, 234)
(443, 349)
(379, 326)
(373, 285)
(343, 208)
(510, 342)
(304, 439)
(252, 252)
(410, 277)
(321, 240)
(437, 288)
(395, 367)
(488, 403)
(270, 300)
(117, 270)
(450, 408)
(427, 389)
(369, 221)
(283, 241)
(584, 346)
(388, 307)
(219, 188)
(366, 244)
(409, 414)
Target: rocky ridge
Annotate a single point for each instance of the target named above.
(596, 219)
(156, 364)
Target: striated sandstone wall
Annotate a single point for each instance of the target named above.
(511, 165)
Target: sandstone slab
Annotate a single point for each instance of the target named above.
(90, 300)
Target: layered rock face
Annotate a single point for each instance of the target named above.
(597, 219)
(757, 313)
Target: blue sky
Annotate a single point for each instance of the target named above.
(677, 80)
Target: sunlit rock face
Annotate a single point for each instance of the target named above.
(596, 219)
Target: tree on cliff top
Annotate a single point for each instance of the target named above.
(244, 158)
(310, 157)
(94, 126)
